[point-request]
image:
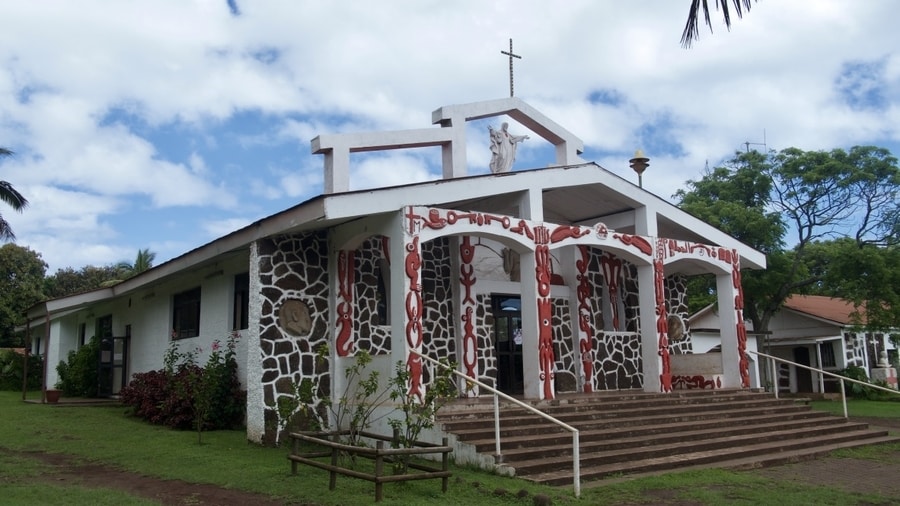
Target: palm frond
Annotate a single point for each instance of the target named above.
(12, 197)
(692, 26)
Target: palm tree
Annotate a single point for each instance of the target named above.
(142, 262)
(12, 197)
(692, 26)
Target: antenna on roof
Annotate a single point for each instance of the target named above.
(747, 144)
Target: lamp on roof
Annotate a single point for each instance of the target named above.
(639, 164)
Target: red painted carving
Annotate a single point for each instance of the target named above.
(522, 228)
(344, 339)
(413, 219)
(612, 270)
(470, 349)
(643, 245)
(586, 327)
(467, 281)
(662, 325)
(413, 266)
(386, 248)
(544, 309)
(563, 232)
(434, 220)
(453, 217)
(690, 247)
(696, 382)
(466, 269)
(743, 364)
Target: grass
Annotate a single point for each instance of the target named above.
(105, 435)
(861, 407)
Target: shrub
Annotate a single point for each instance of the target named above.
(183, 395)
(12, 366)
(78, 375)
(858, 391)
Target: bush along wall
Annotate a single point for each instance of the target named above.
(78, 374)
(12, 368)
(186, 395)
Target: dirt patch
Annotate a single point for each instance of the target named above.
(850, 474)
(68, 470)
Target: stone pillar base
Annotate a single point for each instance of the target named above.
(886, 374)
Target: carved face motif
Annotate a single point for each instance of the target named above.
(293, 317)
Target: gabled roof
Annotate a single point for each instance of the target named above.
(571, 191)
(836, 310)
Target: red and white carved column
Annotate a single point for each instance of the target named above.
(662, 317)
(735, 367)
(406, 302)
(584, 317)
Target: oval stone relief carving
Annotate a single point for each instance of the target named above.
(676, 328)
(293, 317)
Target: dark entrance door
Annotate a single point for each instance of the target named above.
(113, 363)
(804, 376)
(508, 344)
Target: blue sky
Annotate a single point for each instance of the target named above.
(166, 124)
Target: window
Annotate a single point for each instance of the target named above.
(104, 326)
(240, 318)
(827, 351)
(186, 314)
(383, 292)
(82, 334)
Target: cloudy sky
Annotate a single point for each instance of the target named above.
(166, 124)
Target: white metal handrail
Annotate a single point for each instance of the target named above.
(576, 457)
(773, 359)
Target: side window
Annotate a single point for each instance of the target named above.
(383, 292)
(104, 327)
(186, 314)
(826, 348)
(240, 318)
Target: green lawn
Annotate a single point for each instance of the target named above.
(105, 435)
(861, 407)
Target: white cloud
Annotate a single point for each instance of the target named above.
(140, 107)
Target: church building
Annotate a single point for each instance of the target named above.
(545, 281)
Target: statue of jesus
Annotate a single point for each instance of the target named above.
(503, 148)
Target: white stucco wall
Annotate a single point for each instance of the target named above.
(149, 312)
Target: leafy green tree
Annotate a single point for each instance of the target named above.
(807, 197)
(69, 281)
(860, 272)
(21, 280)
(12, 197)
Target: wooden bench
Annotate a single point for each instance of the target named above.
(379, 454)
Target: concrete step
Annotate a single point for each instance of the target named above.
(599, 454)
(633, 433)
(483, 427)
(744, 463)
(757, 455)
(654, 434)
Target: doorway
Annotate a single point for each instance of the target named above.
(804, 376)
(508, 343)
(113, 363)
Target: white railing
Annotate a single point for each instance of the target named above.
(842, 379)
(576, 457)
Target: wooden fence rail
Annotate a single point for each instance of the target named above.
(380, 454)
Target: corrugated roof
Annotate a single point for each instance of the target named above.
(829, 308)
